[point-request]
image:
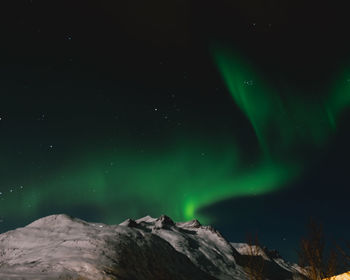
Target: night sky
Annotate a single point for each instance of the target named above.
(232, 112)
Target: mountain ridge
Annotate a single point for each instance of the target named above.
(64, 247)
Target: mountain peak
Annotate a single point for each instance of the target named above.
(193, 223)
(55, 220)
(129, 223)
(147, 219)
(164, 222)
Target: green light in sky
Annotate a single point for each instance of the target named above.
(281, 120)
(178, 180)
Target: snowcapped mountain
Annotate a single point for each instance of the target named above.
(62, 247)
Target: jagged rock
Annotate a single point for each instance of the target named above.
(193, 223)
(129, 223)
(164, 222)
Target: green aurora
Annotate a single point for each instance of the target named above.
(288, 118)
(177, 182)
(180, 179)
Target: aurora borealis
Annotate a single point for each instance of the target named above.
(233, 115)
(291, 120)
(178, 182)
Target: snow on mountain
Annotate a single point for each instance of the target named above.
(274, 266)
(62, 247)
(204, 246)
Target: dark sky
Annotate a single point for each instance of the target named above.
(118, 109)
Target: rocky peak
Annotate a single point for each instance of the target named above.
(190, 224)
(129, 223)
(164, 222)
